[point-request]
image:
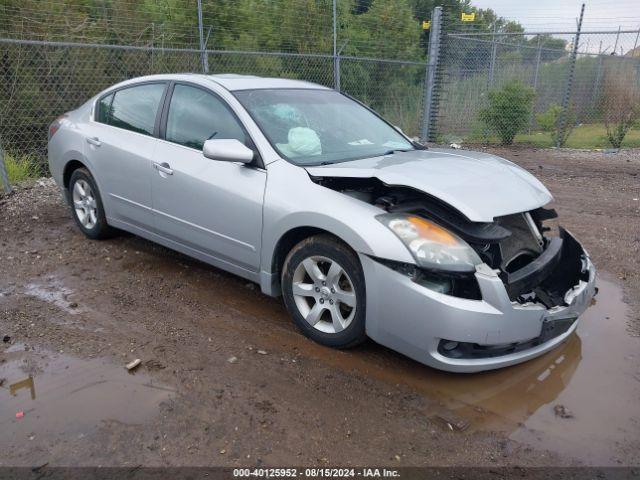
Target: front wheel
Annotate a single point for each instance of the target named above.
(324, 291)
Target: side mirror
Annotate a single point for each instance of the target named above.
(231, 150)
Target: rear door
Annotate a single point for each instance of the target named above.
(121, 144)
(210, 206)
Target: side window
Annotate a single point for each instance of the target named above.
(104, 109)
(195, 116)
(135, 108)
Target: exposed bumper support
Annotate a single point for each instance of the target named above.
(528, 277)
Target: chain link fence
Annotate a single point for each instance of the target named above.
(56, 54)
(41, 80)
(539, 88)
(446, 83)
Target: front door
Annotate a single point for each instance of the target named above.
(213, 207)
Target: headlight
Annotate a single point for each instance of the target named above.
(431, 245)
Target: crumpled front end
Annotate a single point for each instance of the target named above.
(523, 301)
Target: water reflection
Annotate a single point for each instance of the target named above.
(74, 395)
(508, 397)
(26, 383)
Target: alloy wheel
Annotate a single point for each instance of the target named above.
(324, 294)
(84, 204)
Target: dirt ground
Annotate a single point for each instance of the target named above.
(227, 380)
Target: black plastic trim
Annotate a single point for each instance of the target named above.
(550, 330)
(531, 275)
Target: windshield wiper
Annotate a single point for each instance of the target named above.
(391, 152)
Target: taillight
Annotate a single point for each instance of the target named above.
(55, 126)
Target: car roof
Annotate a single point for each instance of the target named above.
(232, 81)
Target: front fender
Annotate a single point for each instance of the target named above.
(292, 201)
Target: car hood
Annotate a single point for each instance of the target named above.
(479, 185)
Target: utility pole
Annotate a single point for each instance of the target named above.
(203, 47)
(566, 99)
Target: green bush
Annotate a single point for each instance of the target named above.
(21, 168)
(617, 131)
(509, 110)
(550, 122)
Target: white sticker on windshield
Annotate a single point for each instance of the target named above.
(364, 141)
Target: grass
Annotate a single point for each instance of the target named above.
(21, 168)
(588, 136)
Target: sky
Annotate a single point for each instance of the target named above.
(560, 15)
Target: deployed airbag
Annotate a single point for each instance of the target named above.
(303, 142)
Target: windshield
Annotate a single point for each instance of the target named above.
(318, 127)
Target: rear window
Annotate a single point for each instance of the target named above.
(104, 107)
(133, 108)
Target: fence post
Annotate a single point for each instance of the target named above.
(596, 84)
(535, 82)
(569, 84)
(4, 178)
(494, 53)
(615, 47)
(430, 100)
(336, 58)
(203, 47)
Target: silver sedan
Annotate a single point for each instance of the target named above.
(446, 256)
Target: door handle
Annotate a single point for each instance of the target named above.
(94, 141)
(163, 167)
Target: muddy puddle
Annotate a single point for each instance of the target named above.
(49, 396)
(581, 400)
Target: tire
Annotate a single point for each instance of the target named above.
(86, 206)
(332, 313)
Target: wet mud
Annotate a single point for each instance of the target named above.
(75, 312)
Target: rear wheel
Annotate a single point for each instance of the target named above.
(324, 291)
(86, 206)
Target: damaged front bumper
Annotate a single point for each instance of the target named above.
(464, 335)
